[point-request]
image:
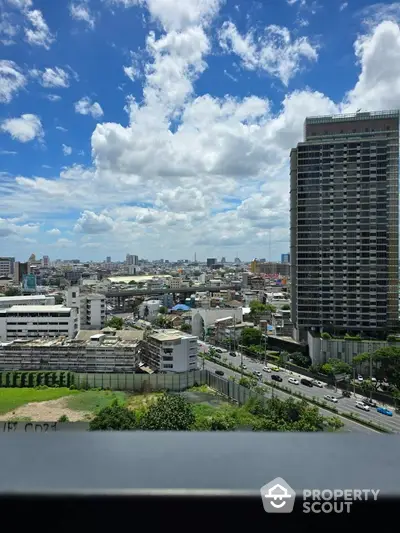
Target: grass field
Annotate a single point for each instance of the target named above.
(94, 400)
(12, 398)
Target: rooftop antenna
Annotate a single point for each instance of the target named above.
(358, 110)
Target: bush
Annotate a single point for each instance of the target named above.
(116, 417)
(325, 335)
(63, 418)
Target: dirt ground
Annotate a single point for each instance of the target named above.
(49, 411)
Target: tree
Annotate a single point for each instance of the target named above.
(116, 417)
(115, 322)
(245, 382)
(335, 366)
(386, 363)
(251, 336)
(163, 310)
(186, 327)
(58, 299)
(285, 307)
(300, 359)
(13, 291)
(289, 415)
(132, 282)
(169, 413)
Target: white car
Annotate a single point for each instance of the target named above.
(362, 406)
(330, 398)
(373, 380)
(360, 378)
(293, 381)
(318, 384)
(257, 373)
(267, 369)
(244, 367)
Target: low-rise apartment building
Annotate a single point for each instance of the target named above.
(170, 350)
(36, 299)
(35, 321)
(91, 307)
(98, 353)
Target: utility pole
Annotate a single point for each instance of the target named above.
(370, 371)
(354, 381)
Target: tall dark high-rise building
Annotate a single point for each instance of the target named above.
(344, 212)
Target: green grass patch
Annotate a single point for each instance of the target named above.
(12, 398)
(201, 388)
(94, 400)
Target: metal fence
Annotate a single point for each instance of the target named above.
(141, 382)
(232, 390)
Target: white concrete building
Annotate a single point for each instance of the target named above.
(98, 353)
(7, 266)
(204, 318)
(153, 307)
(170, 350)
(91, 307)
(36, 299)
(33, 321)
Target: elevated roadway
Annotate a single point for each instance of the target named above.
(128, 293)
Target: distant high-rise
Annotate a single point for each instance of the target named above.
(7, 266)
(285, 258)
(108, 259)
(345, 224)
(132, 259)
(211, 261)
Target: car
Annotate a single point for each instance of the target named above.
(267, 369)
(276, 378)
(360, 378)
(330, 398)
(318, 384)
(306, 382)
(275, 369)
(218, 350)
(370, 403)
(219, 372)
(293, 381)
(362, 406)
(232, 354)
(373, 380)
(346, 394)
(244, 367)
(384, 411)
(257, 373)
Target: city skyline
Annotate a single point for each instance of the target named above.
(166, 127)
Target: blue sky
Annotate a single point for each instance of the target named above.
(163, 128)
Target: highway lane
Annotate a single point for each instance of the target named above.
(349, 425)
(346, 405)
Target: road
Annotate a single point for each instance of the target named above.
(349, 425)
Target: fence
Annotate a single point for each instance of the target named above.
(232, 390)
(141, 382)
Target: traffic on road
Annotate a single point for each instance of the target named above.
(378, 414)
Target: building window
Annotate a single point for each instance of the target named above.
(168, 366)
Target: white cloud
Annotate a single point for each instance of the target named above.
(54, 231)
(8, 29)
(378, 86)
(177, 16)
(51, 77)
(8, 152)
(67, 150)
(218, 176)
(275, 52)
(60, 128)
(12, 80)
(80, 11)
(343, 6)
(21, 4)
(23, 129)
(53, 97)
(9, 227)
(92, 223)
(63, 243)
(85, 107)
(39, 33)
(130, 72)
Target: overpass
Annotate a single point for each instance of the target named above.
(123, 294)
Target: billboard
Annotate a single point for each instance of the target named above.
(29, 283)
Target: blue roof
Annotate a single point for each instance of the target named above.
(181, 307)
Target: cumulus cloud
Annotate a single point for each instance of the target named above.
(90, 222)
(53, 97)
(275, 52)
(85, 107)
(12, 80)
(24, 128)
(198, 170)
(51, 77)
(38, 34)
(54, 231)
(67, 150)
(80, 11)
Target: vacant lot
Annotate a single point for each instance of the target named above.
(91, 401)
(11, 399)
